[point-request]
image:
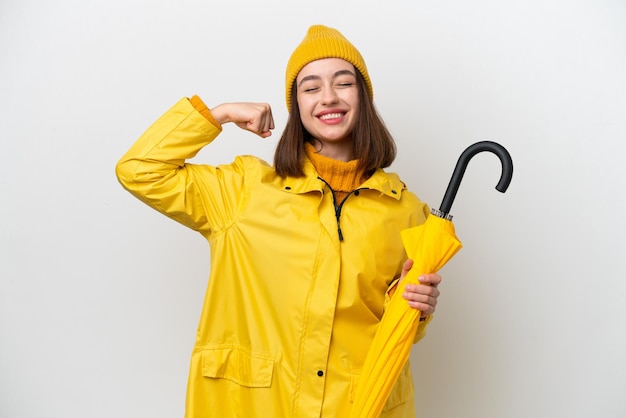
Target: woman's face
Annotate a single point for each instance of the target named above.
(328, 100)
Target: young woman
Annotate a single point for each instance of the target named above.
(304, 254)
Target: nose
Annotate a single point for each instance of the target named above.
(329, 95)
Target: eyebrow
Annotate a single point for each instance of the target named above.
(317, 77)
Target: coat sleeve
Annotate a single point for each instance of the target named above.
(155, 170)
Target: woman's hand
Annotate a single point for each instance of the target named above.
(421, 296)
(254, 117)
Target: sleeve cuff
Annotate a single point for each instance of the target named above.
(197, 102)
(421, 329)
(390, 291)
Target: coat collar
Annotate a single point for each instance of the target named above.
(388, 184)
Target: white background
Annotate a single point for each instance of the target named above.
(100, 295)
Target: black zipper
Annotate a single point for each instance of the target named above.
(339, 206)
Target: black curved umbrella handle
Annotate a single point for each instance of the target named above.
(461, 165)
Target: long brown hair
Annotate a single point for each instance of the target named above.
(374, 146)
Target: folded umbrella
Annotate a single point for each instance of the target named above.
(430, 245)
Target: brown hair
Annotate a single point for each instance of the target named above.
(374, 146)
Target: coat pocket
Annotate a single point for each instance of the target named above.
(239, 365)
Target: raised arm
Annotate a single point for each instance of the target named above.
(155, 171)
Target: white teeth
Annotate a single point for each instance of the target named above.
(330, 116)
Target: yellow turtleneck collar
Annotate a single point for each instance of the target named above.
(342, 176)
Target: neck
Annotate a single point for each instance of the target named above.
(343, 151)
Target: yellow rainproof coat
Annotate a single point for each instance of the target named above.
(290, 309)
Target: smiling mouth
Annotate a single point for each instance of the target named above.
(329, 116)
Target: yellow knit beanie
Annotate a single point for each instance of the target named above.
(324, 42)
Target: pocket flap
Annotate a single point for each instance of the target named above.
(239, 365)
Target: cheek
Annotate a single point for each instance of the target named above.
(355, 107)
(305, 114)
(304, 104)
(353, 99)
(306, 109)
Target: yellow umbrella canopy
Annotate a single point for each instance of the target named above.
(431, 246)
